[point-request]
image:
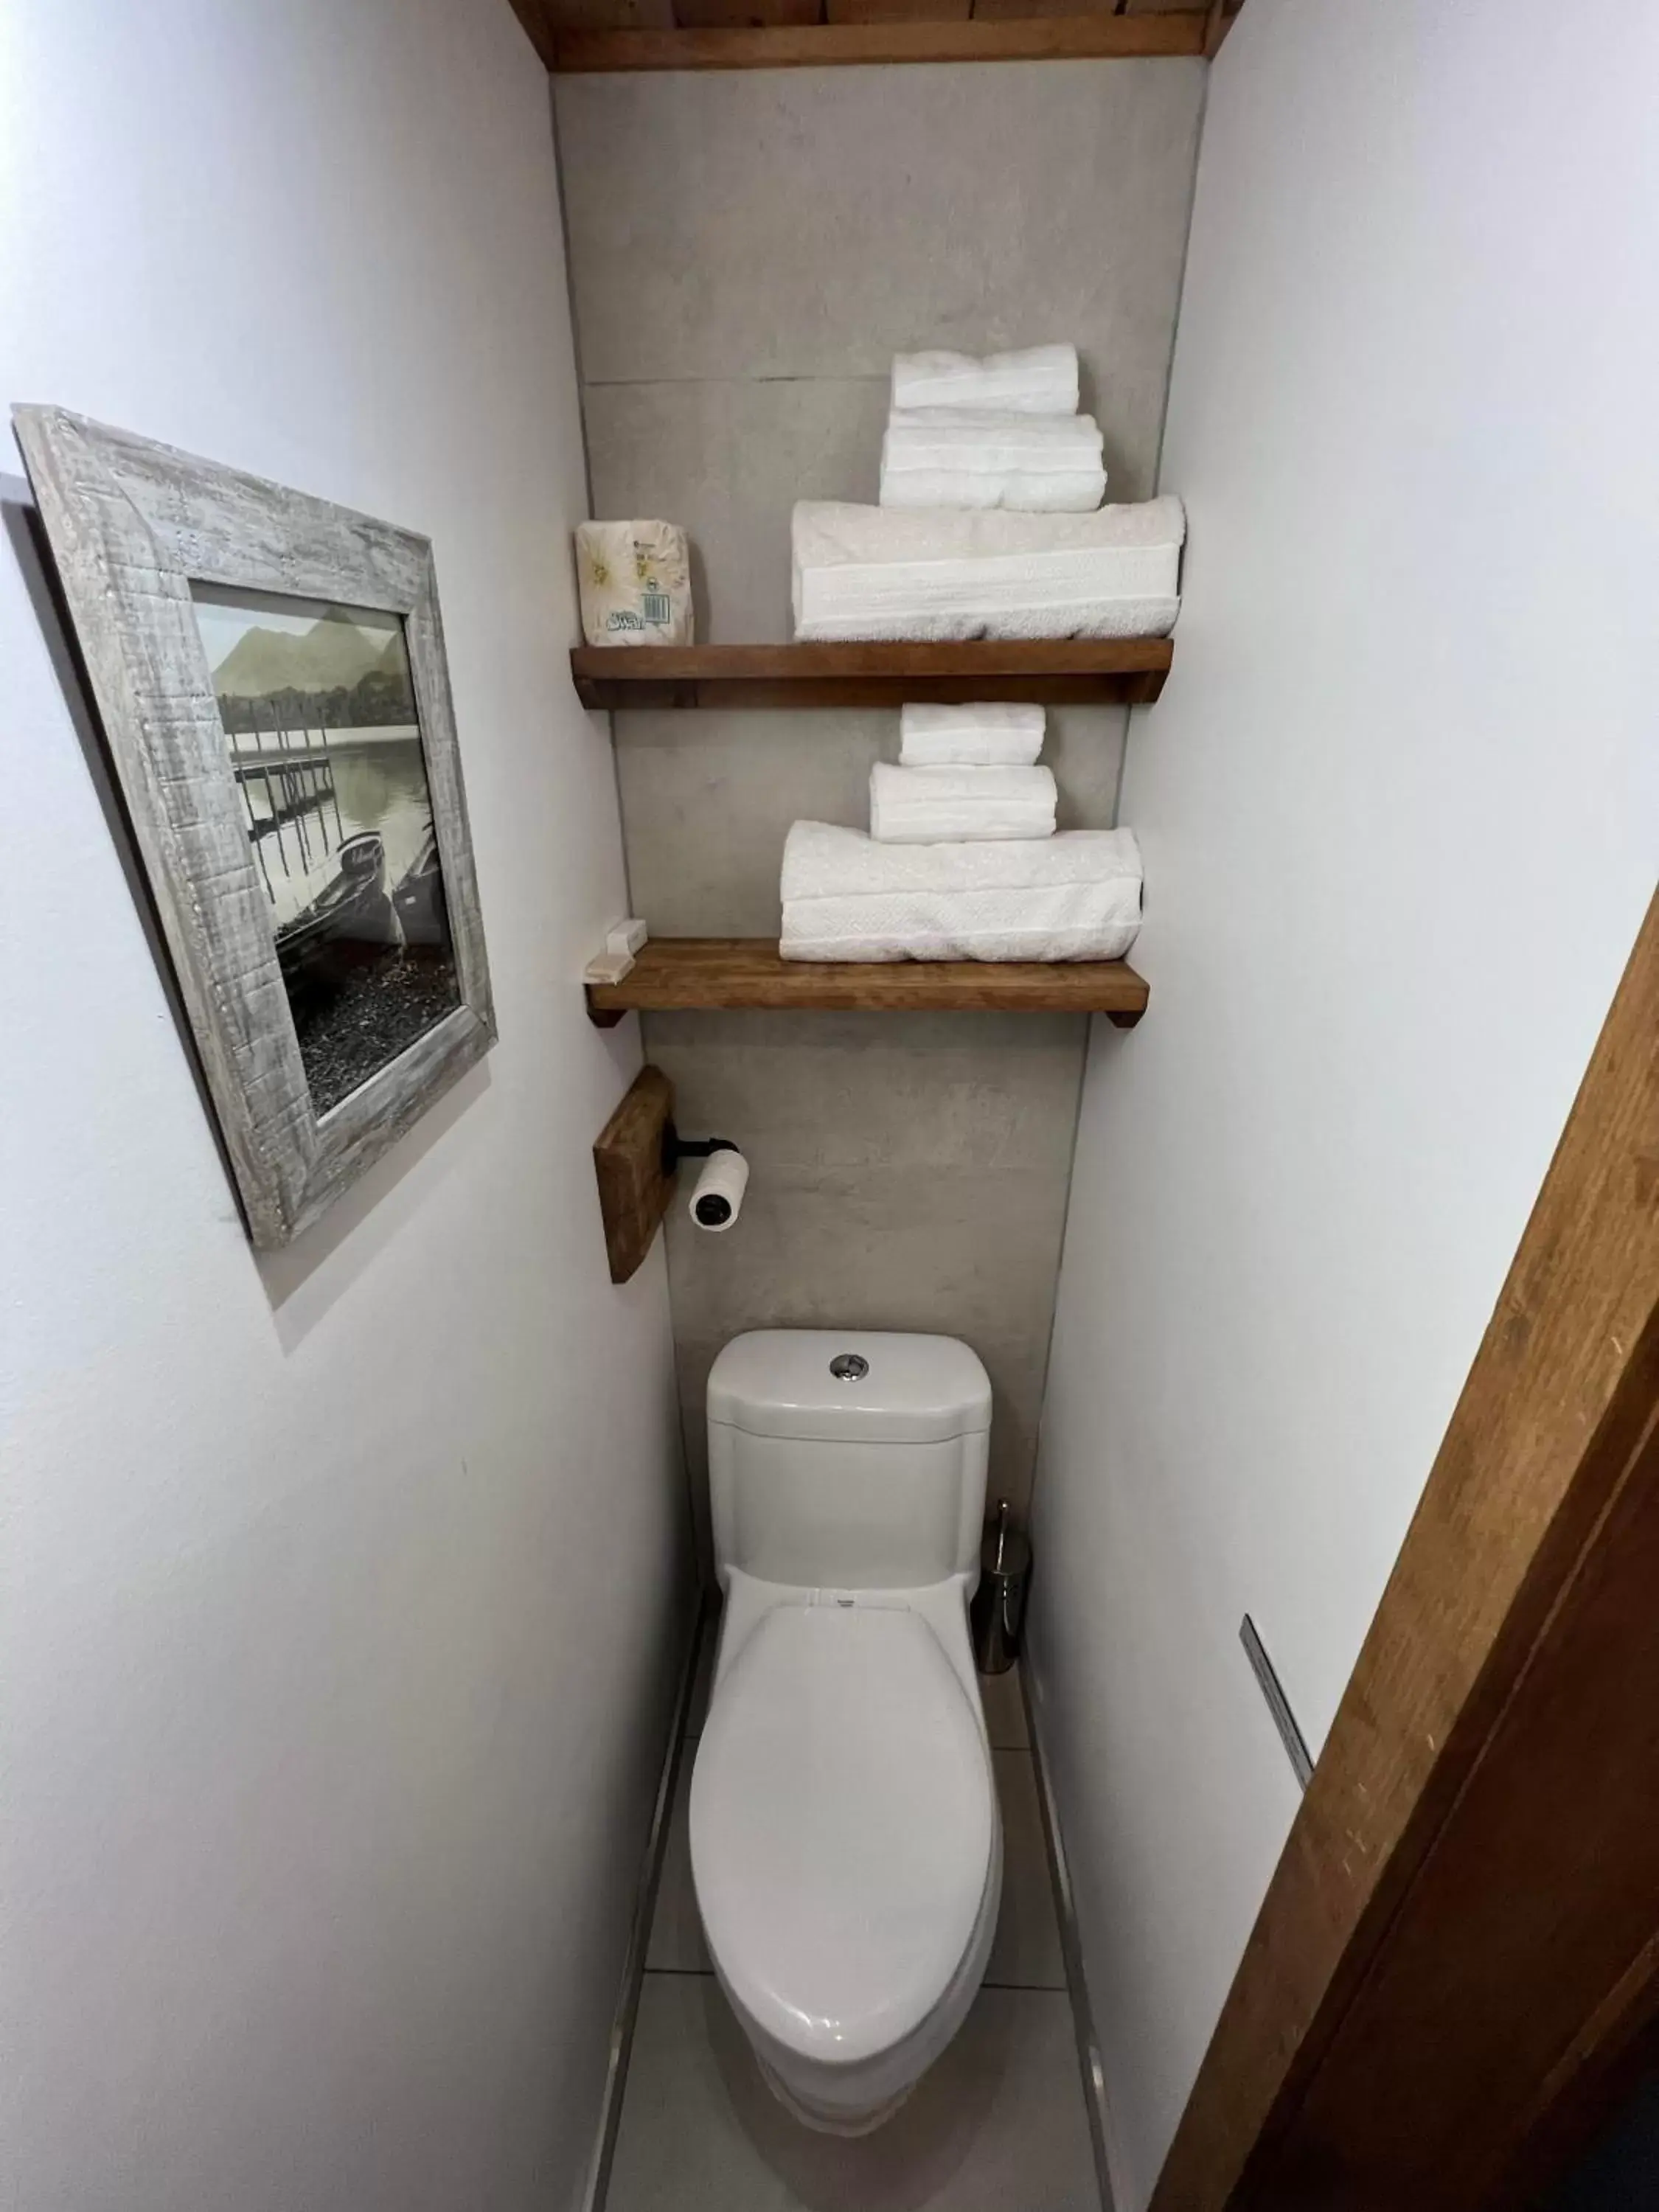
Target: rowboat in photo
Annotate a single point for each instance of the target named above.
(418, 900)
(353, 910)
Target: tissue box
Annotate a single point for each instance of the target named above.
(634, 578)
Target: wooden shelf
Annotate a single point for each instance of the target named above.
(1025, 34)
(1050, 672)
(688, 973)
(707, 34)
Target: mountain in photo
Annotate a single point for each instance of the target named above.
(332, 653)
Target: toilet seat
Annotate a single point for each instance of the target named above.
(843, 1826)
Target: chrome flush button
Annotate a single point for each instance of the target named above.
(849, 1367)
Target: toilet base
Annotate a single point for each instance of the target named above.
(907, 2063)
(855, 2096)
(824, 2122)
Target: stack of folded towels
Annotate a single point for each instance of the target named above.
(962, 861)
(1004, 432)
(988, 526)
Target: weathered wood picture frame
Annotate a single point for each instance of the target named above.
(133, 526)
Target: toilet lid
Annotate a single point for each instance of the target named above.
(841, 1823)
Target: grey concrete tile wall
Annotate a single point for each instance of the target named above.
(708, 800)
(908, 1173)
(738, 781)
(729, 460)
(755, 224)
(747, 251)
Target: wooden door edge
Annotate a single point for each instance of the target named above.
(1559, 1392)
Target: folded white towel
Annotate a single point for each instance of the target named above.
(1076, 896)
(821, 860)
(1050, 491)
(876, 572)
(988, 457)
(1040, 380)
(939, 806)
(989, 439)
(985, 736)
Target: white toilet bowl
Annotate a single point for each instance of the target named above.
(845, 1848)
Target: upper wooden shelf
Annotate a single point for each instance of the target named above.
(1128, 670)
(691, 974)
(584, 35)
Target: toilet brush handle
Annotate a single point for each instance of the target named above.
(1002, 1533)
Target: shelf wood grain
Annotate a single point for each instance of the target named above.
(1050, 672)
(706, 974)
(635, 1188)
(577, 50)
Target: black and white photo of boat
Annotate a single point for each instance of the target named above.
(419, 899)
(324, 736)
(352, 919)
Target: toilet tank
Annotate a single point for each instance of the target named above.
(848, 1459)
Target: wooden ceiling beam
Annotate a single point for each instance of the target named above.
(1071, 38)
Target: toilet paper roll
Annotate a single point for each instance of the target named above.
(718, 1198)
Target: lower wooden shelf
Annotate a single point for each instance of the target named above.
(687, 974)
(1046, 671)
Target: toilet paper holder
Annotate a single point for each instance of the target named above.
(636, 1156)
(711, 1208)
(676, 1148)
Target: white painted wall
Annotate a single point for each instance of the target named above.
(341, 1594)
(1401, 812)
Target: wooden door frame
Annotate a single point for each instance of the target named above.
(1461, 1941)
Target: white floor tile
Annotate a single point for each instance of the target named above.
(997, 2125)
(1026, 1953)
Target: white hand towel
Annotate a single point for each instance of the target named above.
(875, 572)
(990, 457)
(1040, 380)
(991, 439)
(985, 736)
(939, 806)
(1076, 896)
(1055, 491)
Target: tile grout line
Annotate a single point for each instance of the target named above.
(639, 1940)
(1102, 2140)
(801, 376)
(1011, 1989)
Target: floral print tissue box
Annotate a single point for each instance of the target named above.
(635, 583)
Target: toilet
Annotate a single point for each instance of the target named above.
(845, 1848)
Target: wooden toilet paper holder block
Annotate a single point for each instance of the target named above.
(635, 1157)
(631, 1158)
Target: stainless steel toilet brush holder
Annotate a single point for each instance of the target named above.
(997, 1616)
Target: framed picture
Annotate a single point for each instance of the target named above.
(269, 672)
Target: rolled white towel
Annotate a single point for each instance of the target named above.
(941, 806)
(1039, 380)
(1076, 896)
(990, 439)
(878, 571)
(978, 457)
(1050, 491)
(984, 736)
